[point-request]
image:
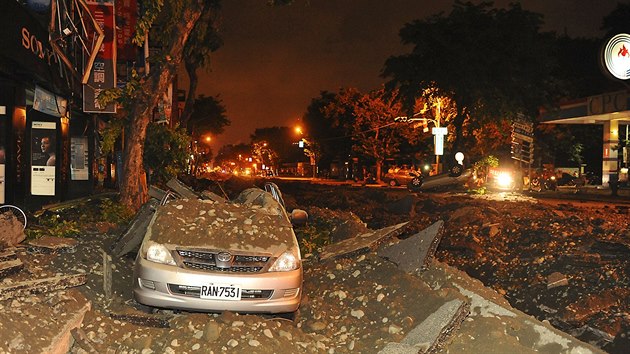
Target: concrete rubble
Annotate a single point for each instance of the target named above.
(11, 230)
(362, 243)
(376, 292)
(415, 253)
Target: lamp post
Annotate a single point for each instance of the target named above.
(310, 149)
(437, 131)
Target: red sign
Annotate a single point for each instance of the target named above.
(126, 18)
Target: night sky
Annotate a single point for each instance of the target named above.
(275, 60)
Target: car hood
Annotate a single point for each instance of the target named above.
(205, 224)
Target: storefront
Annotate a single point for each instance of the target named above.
(612, 111)
(45, 147)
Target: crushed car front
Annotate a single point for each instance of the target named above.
(206, 255)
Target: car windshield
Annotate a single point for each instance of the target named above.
(257, 198)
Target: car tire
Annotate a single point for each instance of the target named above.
(393, 183)
(456, 170)
(415, 184)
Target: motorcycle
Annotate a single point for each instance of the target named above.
(416, 182)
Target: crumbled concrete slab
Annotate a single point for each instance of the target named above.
(430, 335)
(208, 195)
(157, 193)
(51, 244)
(415, 253)
(11, 230)
(493, 325)
(434, 329)
(82, 341)
(42, 323)
(132, 237)
(183, 190)
(8, 254)
(362, 243)
(8, 268)
(373, 295)
(37, 286)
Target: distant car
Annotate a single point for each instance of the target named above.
(502, 179)
(214, 256)
(399, 178)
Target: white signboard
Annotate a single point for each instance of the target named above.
(43, 158)
(439, 139)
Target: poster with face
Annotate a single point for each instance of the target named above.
(43, 158)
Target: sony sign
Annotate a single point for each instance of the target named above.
(32, 43)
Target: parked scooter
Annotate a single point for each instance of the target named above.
(416, 182)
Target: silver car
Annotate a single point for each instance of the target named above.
(205, 255)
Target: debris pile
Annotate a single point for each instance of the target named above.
(391, 287)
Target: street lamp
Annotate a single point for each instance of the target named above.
(310, 147)
(438, 131)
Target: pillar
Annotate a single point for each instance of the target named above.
(610, 156)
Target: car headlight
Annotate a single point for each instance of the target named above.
(289, 260)
(158, 253)
(504, 179)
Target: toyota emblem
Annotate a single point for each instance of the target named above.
(224, 256)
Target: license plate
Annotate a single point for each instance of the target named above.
(220, 292)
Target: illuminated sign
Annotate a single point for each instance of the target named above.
(617, 56)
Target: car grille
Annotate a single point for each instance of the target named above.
(206, 261)
(193, 291)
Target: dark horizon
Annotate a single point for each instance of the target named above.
(275, 60)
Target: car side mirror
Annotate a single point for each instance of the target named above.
(298, 217)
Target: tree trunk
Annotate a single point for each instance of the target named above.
(191, 69)
(133, 186)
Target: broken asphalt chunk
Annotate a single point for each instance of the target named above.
(556, 279)
(362, 243)
(11, 267)
(42, 324)
(8, 254)
(431, 333)
(415, 253)
(11, 230)
(82, 340)
(132, 237)
(183, 190)
(38, 286)
(51, 244)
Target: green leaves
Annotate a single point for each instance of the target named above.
(492, 62)
(165, 151)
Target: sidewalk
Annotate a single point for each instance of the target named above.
(590, 193)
